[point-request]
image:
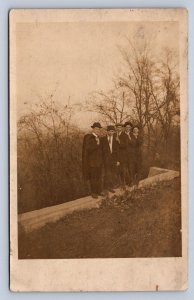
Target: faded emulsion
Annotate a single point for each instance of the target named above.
(97, 146)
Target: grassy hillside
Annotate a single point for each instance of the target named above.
(145, 223)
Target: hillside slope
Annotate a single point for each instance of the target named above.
(144, 223)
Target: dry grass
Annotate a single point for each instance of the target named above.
(146, 223)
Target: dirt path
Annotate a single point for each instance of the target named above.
(146, 223)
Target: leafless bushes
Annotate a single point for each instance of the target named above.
(147, 93)
(49, 157)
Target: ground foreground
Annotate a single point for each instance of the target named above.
(144, 223)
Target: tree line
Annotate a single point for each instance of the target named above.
(146, 92)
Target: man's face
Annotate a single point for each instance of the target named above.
(119, 128)
(135, 130)
(128, 128)
(110, 132)
(96, 130)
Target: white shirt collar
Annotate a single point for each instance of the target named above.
(110, 139)
(94, 134)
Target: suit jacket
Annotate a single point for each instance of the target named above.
(123, 148)
(91, 154)
(136, 148)
(109, 158)
(129, 146)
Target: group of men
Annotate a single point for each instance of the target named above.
(117, 155)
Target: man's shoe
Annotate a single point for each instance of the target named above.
(95, 196)
(111, 191)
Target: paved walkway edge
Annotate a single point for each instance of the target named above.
(38, 218)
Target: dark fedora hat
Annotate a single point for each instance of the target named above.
(96, 124)
(128, 123)
(110, 127)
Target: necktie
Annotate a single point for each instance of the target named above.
(109, 141)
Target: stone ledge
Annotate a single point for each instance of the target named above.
(155, 171)
(164, 175)
(38, 218)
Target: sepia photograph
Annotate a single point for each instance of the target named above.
(97, 136)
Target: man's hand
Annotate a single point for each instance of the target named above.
(118, 163)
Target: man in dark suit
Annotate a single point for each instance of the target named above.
(128, 131)
(136, 154)
(122, 142)
(110, 158)
(92, 160)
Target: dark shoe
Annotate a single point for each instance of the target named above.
(111, 191)
(95, 196)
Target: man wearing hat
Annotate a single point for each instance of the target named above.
(92, 160)
(128, 131)
(110, 158)
(122, 141)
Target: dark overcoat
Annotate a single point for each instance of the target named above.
(91, 155)
(123, 147)
(109, 158)
(136, 153)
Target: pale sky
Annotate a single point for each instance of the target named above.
(78, 58)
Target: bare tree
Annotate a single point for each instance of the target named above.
(145, 92)
(165, 93)
(50, 150)
(112, 106)
(137, 78)
(153, 85)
